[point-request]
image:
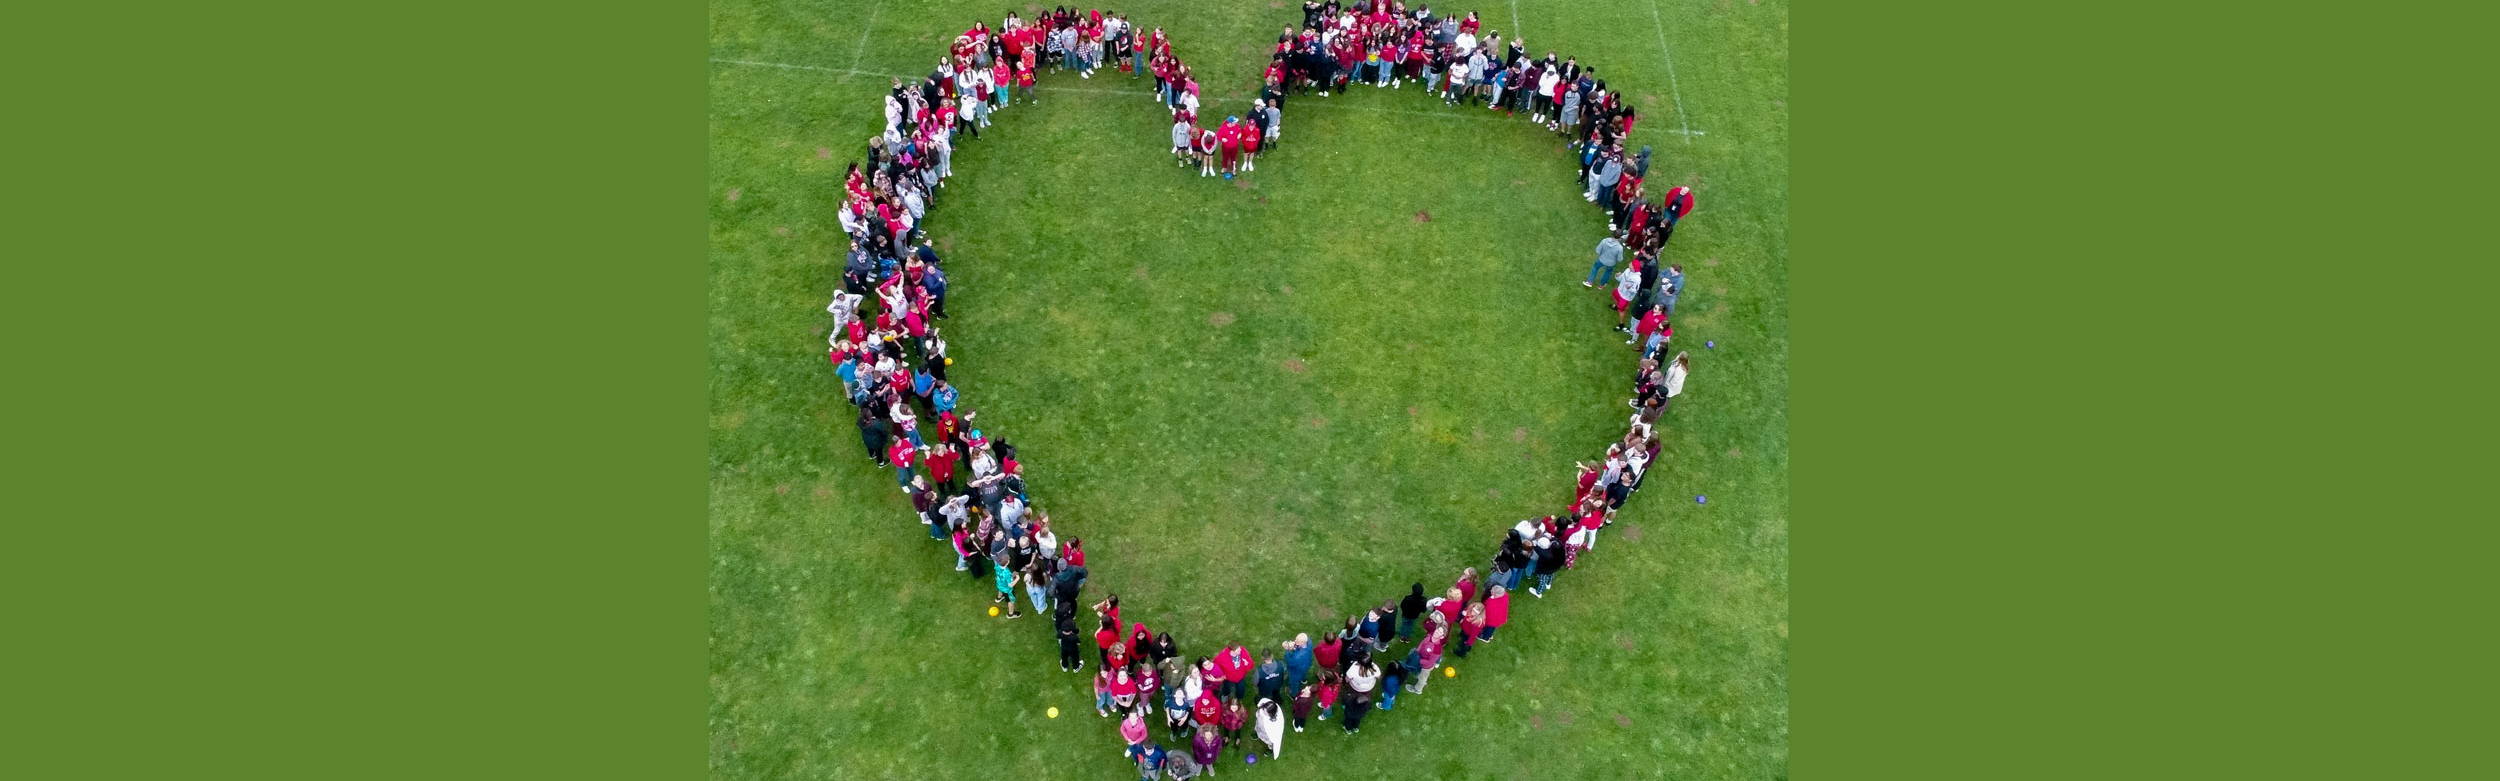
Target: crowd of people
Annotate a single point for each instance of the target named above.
(967, 487)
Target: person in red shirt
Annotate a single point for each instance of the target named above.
(1206, 152)
(1123, 691)
(1496, 611)
(1679, 203)
(901, 453)
(1327, 653)
(1229, 137)
(1653, 328)
(1327, 693)
(1627, 193)
(1235, 663)
(1206, 709)
(1250, 146)
(1470, 625)
(1105, 638)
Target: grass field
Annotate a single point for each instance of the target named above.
(1263, 404)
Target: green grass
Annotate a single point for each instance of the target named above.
(1452, 370)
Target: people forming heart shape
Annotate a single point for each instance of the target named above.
(966, 483)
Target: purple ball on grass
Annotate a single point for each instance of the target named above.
(1250, 759)
(1710, 344)
(1697, 499)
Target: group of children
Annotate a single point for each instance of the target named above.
(892, 362)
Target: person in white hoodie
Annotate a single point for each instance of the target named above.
(1676, 372)
(1270, 727)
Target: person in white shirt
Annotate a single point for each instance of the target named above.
(1676, 372)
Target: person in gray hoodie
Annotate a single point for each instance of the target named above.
(1602, 178)
(1609, 254)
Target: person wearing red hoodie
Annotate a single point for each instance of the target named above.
(1207, 709)
(1496, 612)
(1328, 652)
(1235, 664)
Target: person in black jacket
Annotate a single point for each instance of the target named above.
(1549, 560)
(872, 432)
(1409, 609)
(1069, 660)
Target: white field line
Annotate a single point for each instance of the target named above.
(863, 35)
(1514, 21)
(1681, 119)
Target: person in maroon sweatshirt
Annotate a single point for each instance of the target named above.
(1328, 651)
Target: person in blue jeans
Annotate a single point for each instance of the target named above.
(1390, 675)
(1609, 255)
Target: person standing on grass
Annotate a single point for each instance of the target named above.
(1069, 660)
(1677, 370)
(900, 452)
(1410, 608)
(1305, 697)
(1330, 686)
(1271, 673)
(1470, 628)
(1228, 137)
(1235, 717)
(1392, 676)
(1298, 660)
(1133, 730)
(1206, 748)
(1206, 152)
(1496, 612)
(872, 433)
(1627, 286)
(1177, 706)
(1609, 253)
(1180, 766)
(1548, 561)
(1270, 727)
(1102, 692)
(1250, 142)
(1002, 561)
(1184, 139)
(1235, 663)
(1653, 329)
(1362, 678)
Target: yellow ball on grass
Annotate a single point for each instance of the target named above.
(1449, 672)
(993, 610)
(1054, 711)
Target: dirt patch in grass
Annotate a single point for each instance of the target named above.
(1318, 422)
(824, 153)
(1563, 717)
(1519, 434)
(1625, 641)
(781, 488)
(1220, 319)
(1296, 365)
(1536, 722)
(1710, 261)
(781, 230)
(1736, 452)
(734, 192)
(1288, 290)
(1492, 493)
(946, 243)
(1718, 290)
(1623, 721)
(1141, 271)
(1423, 216)
(823, 492)
(1632, 532)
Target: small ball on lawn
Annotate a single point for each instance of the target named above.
(950, 361)
(1449, 672)
(1711, 344)
(1250, 759)
(1696, 500)
(1054, 711)
(993, 610)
